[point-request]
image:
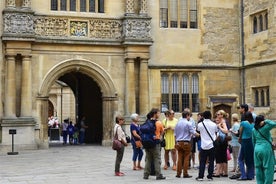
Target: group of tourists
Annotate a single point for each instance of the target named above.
(248, 138)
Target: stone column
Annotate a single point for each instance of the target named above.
(108, 121)
(26, 4)
(10, 92)
(10, 3)
(265, 97)
(143, 87)
(59, 106)
(26, 88)
(130, 97)
(42, 105)
(130, 9)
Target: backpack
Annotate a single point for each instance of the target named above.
(147, 130)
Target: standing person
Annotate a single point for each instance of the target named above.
(169, 126)
(243, 109)
(263, 153)
(136, 142)
(221, 147)
(183, 133)
(208, 130)
(121, 137)
(154, 154)
(64, 125)
(246, 156)
(70, 130)
(235, 141)
(251, 109)
(83, 126)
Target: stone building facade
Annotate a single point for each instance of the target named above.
(125, 56)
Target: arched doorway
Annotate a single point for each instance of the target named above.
(88, 103)
(96, 98)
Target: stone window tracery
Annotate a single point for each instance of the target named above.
(178, 14)
(259, 22)
(261, 96)
(96, 6)
(180, 90)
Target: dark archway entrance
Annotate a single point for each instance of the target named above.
(88, 103)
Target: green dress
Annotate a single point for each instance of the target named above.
(264, 157)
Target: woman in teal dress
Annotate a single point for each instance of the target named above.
(263, 153)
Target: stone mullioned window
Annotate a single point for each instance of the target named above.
(259, 22)
(180, 90)
(178, 14)
(261, 96)
(96, 6)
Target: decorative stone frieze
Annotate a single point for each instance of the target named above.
(51, 26)
(106, 29)
(137, 29)
(18, 23)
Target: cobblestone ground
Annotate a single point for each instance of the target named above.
(82, 164)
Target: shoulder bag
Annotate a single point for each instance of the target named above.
(214, 142)
(163, 141)
(116, 144)
(273, 146)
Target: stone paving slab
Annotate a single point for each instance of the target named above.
(82, 164)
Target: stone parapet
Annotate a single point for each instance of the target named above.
(21, 24)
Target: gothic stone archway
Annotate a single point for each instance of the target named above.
(95, 72)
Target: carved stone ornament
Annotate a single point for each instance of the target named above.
(26, 4)
(10, 3)
(51, 26)
(78, 28)
(138, 29)
(18, 23)
(106, 29)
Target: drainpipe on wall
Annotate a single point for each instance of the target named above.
(242, 55)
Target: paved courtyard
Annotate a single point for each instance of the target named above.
(83, 165)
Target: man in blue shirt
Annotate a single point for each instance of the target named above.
(183, 133)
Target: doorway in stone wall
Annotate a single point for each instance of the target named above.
(88, 103)
(224, 107)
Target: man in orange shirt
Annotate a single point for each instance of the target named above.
(154, 154)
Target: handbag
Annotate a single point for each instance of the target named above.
(163, 140)
(116, 144)
(138, 144)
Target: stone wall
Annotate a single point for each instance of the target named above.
(220, 36)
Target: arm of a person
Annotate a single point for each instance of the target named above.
(134, 133)
(223, 127)
(192, 130)
(269, 124)
(240, 132)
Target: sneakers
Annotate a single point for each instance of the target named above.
(160, 177)
(210, 178)
(119, 174)
(199, 179)
(235, 176)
